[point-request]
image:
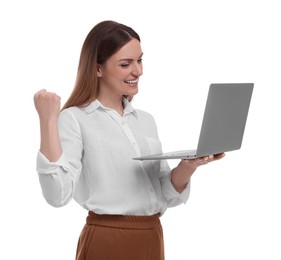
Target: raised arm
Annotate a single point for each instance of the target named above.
(47, 105)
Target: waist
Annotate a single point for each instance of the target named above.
(124, 221)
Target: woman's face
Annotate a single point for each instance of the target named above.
(120, 74)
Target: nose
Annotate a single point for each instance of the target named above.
(137, 69)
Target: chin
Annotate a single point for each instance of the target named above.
(132, 93)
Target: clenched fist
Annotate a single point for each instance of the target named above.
(47, 105)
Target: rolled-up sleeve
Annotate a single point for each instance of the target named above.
(173, 197)
(58, 179)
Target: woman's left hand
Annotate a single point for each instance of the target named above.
(183, 172)
(202, 160)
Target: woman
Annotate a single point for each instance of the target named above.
(87, 149)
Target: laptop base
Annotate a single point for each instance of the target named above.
(186, 155)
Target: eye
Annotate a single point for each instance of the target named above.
(125, 65)
(139, 60)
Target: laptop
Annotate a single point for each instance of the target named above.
(223, 123)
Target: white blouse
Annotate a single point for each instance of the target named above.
(97, 168)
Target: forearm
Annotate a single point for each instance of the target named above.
(181, 176)
(50, 141)
(183, 172)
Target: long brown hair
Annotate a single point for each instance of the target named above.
(105, 39)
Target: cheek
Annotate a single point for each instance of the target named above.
(118, 75)
(112, 80)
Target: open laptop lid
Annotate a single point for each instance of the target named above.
(223, 123)
(224, 118)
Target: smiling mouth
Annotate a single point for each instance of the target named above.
(132, 81)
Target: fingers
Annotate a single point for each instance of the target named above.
(191, 165)
(43, 93)
(219, 156)
(204, 160)
(194, 163)
(47, 105)
(211, 158)
(39, 93)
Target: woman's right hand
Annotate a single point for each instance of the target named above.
(47, 105)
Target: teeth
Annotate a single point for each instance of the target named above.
(132, 81)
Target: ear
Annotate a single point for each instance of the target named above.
(99, 71)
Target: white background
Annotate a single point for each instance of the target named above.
(234, 208)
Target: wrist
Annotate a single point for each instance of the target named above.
(48, 122)
(179, 179)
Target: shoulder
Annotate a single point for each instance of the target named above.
(146, 119)
(71, 115)
(146, 123)
(143, 115)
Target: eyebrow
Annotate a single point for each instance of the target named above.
(130, 59)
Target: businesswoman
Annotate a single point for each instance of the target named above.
(87, 148)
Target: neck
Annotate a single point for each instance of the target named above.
(116, 104)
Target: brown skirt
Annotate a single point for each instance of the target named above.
(118, 237)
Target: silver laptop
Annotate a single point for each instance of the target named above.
(223, 123)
